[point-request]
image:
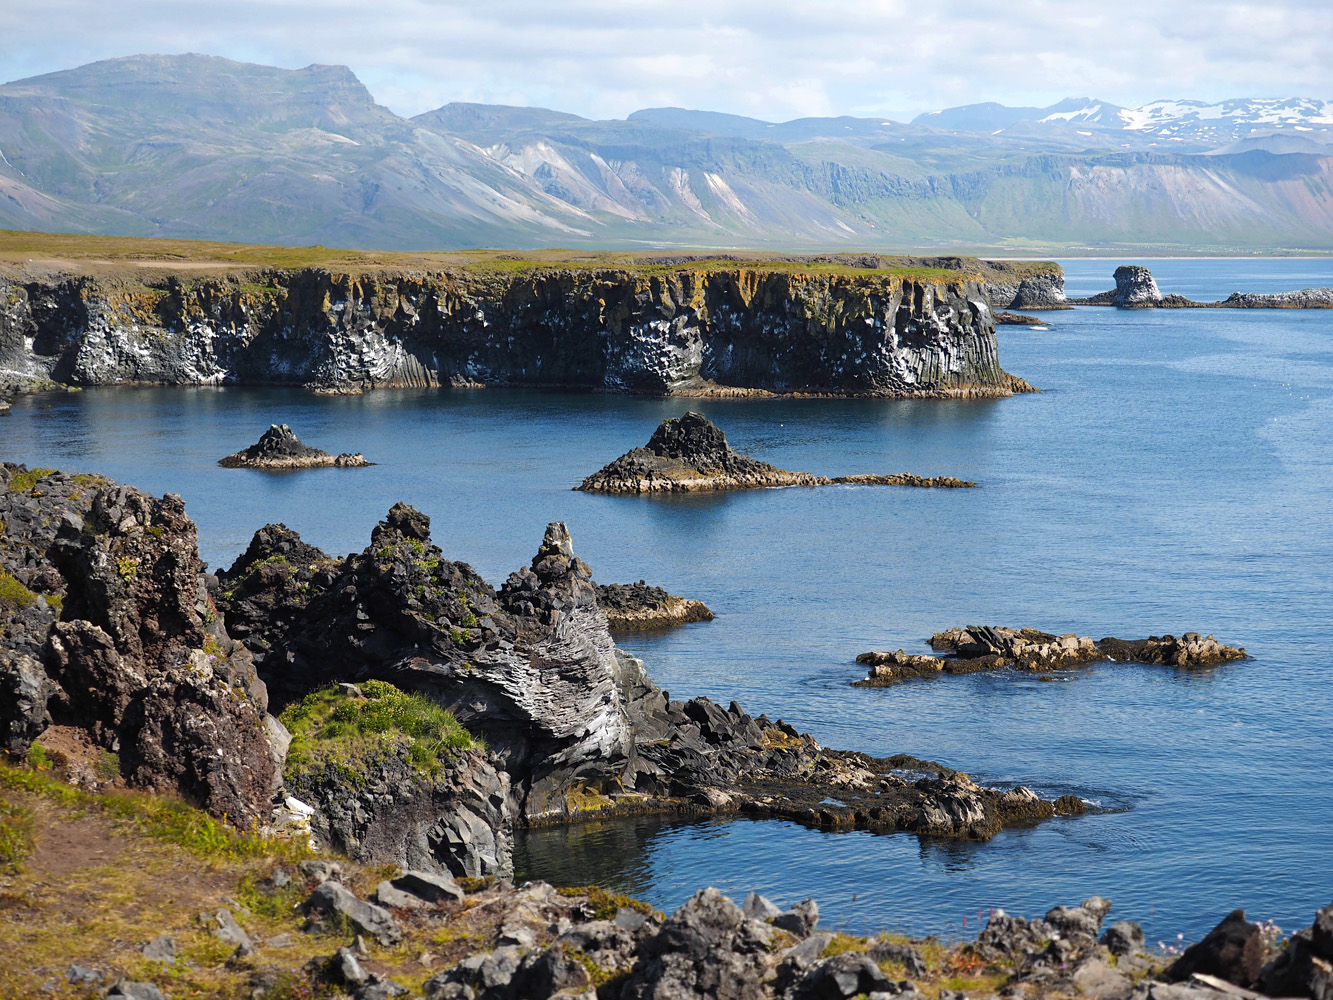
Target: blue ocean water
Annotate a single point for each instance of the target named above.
(1174, 474)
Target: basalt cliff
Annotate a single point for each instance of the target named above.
(680, 327)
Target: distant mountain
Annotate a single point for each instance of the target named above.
(1194, 122)
(196, 146)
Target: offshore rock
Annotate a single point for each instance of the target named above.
(631, 607)
(279, 448)
(1042, 290)
(694, 331)
(575, 723)
(131, 658)
(1135, 288)
(979, 647)
(690, 454)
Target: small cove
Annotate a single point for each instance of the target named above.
(1174, 475)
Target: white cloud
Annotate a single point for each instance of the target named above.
(605, 58)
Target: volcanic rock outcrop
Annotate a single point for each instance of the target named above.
(690, 454)
(694, 330)
(280, 448)
(1135, 288)
(110, 628)
(632, 607)
(978, 647)
(105, 627)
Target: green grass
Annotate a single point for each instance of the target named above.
(250, 264)
(16, 835)
(13, 595)
(334, 727)
(22, 482)
(604, 903)
(158, 817)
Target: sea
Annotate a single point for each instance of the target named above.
(1174, 474)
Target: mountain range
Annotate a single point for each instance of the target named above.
(201, 147)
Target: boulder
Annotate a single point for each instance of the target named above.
(330, 901)
(706, 950)
(841, 977)
(1233, 950)
(800, 920)
(1123, 938)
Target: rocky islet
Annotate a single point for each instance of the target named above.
(1136, 288)
(690, 454)
(977, 647)
(280, 448)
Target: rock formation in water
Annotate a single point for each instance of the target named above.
(977, 648)
(632, 607)
(112, 634)
(1043, 289)
(1017, 319)
(1135, 288)
(688, 330)
(280, 448)
(690, 454)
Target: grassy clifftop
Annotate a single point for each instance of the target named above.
(103, 254)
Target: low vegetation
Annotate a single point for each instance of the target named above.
(24, 482)
(13, 595)
(135, 257)
(347, 727)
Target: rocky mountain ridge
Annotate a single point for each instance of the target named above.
(199, 147)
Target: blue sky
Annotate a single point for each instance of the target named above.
(605, 58)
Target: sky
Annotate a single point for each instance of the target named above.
(762, 58)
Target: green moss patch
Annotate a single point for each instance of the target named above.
(335, 727)
(13, 595)
(23, 482)
(604, 903)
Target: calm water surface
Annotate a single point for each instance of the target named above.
(1174, 475)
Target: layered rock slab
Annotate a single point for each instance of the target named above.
(690, 454)
(977, 648)
(633, 607)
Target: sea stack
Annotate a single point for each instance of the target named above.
(280, 448)
(690, 454)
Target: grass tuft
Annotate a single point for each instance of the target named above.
(16, 836)
(605, 904)
(13, 595)
(335, 727)
(23, 482)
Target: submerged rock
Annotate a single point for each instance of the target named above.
(279, 448)
(980, 647)
(690, 454)
(631, 607)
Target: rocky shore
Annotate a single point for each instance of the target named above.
(633, 607)
(917, 327)
(976, 648)
(1135, 288)
(280, 448)
(115, 637)
(690, 454)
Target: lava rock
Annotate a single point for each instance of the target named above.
(331, 901)
(279, 448)
(1233, 950)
